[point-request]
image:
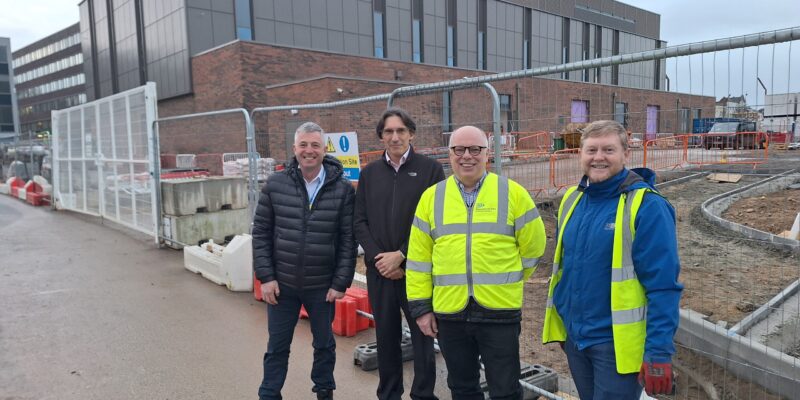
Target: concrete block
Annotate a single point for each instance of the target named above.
(366, 355)
(197, 228)
(189, 196)
(537, 375)
(4, 188)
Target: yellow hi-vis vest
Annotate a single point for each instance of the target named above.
(628, 300)
(486, 251)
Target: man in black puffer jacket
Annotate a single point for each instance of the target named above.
(304, 254)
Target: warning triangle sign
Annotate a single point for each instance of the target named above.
(329, 148)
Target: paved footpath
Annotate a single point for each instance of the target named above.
(91, 311)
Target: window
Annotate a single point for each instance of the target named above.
(416, 31)
(447, 116)
(526, 39)
(621, 113)
(652, 122)
(3, 68)
(6, 115)
(244, 23)
(482, 34)
(579, 111)
(378, 27)
(565, 46)
(451, 34)
(506, 120)
(684, 120)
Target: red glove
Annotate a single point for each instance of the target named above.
(656, 378)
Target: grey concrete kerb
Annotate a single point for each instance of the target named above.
(713, 208)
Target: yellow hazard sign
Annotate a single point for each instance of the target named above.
(329, 147)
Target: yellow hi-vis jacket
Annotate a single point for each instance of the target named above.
(486, 251)
(628, 300)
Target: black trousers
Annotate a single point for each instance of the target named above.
(497, 345)
(387, 297)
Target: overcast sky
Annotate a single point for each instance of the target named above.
(682, 21)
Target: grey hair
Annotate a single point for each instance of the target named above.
(603, 128)
(485, 139)
(309, 127)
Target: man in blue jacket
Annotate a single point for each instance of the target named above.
(614, 293)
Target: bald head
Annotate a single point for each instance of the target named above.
(468, 155)
(471, 134)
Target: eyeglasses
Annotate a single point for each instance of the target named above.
(399, 131)
(473, 150)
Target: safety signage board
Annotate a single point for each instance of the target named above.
(344, 146)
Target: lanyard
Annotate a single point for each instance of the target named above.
(313, 194)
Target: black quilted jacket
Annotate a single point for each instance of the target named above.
(302, 247)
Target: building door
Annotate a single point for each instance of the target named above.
(652, 122)
(579, 111)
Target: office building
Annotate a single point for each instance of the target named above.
(49, 76)
(9, 122)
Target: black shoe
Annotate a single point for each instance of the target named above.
(325, 394)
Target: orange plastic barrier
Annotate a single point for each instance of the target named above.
(531, 170)
(345, 321)
(565, 168)
(14, 184)
(728, 148)
(533, 142)
(665, 153)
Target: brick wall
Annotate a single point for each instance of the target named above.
(249, 75)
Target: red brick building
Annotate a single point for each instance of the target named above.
(250, 75)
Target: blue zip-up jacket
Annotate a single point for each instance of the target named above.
(583, 295)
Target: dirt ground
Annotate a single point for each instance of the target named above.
(773, 212)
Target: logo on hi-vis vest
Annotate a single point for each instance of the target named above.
(609, 226)
(481, 207)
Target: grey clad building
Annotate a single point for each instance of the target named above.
(129, 42)
(49, 76)
(9, 122)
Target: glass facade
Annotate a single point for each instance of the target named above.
(47, 50)
(64, 63)
(416, 31)
(244, 21)
(53, 86)
(379, 28)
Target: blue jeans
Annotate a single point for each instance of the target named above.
(282, 319)
(594, 370)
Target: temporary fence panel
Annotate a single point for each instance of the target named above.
(665, 153)
(105, 160)
(220, 144)
(731, 148)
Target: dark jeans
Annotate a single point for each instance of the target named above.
(498, 346)
(594, 370)
(282, 319)
(386, 298)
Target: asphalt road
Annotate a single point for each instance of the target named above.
(91, 311)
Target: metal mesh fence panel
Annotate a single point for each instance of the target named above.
(104, 159)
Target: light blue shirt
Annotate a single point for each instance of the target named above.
(315, 185)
